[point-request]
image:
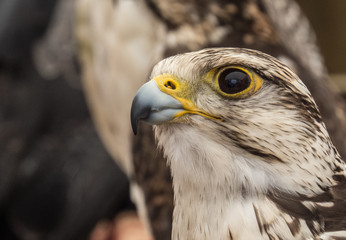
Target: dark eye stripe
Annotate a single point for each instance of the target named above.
(233, 80)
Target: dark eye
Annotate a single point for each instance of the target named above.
(233, 81)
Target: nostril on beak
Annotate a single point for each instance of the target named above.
(170, 85)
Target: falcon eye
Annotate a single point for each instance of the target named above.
(233, 80)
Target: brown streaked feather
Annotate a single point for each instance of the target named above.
(333, 216)
(258, 218)
(230, 235)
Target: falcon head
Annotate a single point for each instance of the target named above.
(238, 116)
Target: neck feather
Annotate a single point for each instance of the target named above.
(211, 181)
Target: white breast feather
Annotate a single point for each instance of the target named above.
(208, 198)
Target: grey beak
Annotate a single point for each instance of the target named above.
(153, 106)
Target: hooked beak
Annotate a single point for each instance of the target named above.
(153, 106)
(161, 100)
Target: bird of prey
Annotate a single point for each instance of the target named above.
(120, 41)
(249, 153)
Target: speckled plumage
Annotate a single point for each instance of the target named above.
(268, 170)
(120, 41)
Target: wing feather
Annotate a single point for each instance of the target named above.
(328, 208)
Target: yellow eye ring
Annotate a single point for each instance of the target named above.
(234, 81)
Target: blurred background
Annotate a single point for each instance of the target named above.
(328, 20)
(57, 180)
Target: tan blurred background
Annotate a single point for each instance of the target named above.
(328, 18)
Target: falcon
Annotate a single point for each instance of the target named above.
(249, 153)
(121, 40)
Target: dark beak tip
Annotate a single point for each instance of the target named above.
(134, 129)
(134, 124)
(139, 112)
(133, 117)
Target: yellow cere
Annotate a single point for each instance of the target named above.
(256, 82)
(170, 85)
